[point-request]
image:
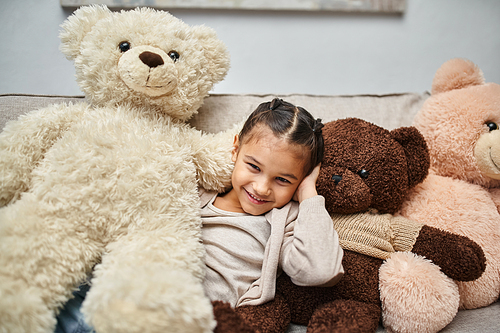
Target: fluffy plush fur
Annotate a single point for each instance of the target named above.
(415, 296)
(368, 167)
(460, 122)
(111, 185)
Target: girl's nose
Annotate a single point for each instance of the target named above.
(262, 188)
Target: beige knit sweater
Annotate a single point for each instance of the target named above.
(376, 235)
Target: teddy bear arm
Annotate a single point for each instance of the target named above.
(24, 142)
(213, 159)
(495, 196)
(459, 257)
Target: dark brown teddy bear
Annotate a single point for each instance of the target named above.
(365, 168)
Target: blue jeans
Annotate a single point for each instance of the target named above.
(70, 319)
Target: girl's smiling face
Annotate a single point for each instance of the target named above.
(266, 173)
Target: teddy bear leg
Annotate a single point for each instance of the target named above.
(22, 308)
(150, 281)
(416, 296)
(345, 316)
(228, 321)
(41, 261)
(270, 317)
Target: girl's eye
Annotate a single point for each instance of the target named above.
(174, 55)
(253, 166)
(492, 126)
(282, 180)
(124, 46)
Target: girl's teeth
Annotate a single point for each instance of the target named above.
(255, 197)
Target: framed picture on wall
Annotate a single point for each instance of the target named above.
(375, 6)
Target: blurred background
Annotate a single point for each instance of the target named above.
(283, 51)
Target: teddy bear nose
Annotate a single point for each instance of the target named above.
(151, 59)
(336, 179)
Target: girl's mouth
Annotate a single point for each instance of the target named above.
(255, 199)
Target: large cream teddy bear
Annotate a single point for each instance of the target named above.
(110, 185)
(461, 124)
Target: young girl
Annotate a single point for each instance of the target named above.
(255, 229)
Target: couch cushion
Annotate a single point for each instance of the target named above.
(220, 111)
(14, 105)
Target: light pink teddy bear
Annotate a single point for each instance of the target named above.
(461, 124)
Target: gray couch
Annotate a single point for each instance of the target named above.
(219, 112)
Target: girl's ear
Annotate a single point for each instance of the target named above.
(236, 147)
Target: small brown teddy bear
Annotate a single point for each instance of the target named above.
(365, 168)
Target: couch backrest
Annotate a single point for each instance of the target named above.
(220, 111)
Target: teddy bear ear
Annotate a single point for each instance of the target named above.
(77, 26)
(416, 151)
(215, 52)
(456, 74)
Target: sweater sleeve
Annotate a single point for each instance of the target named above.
(405, 232)
(311, 254)
(376, 235)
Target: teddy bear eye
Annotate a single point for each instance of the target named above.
(363, 173)
(492, 126)
(174, 55)
(124, 46)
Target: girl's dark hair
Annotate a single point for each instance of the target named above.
(294, 124)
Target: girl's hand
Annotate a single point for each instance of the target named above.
(307, 188)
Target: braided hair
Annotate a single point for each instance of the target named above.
(292, 123)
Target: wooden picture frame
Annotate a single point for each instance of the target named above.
(373, 6)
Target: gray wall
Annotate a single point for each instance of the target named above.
(283, 52)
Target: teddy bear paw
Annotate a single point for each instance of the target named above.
(22, 309)
(416, 296)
